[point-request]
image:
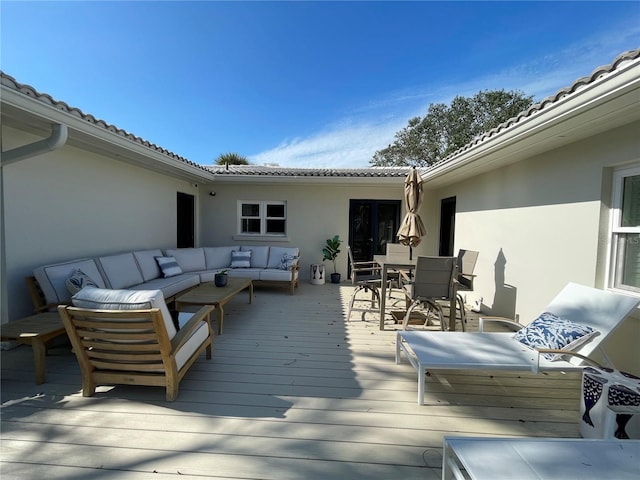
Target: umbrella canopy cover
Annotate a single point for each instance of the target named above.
(412, 229)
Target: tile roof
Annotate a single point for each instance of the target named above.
(370, 172)
(277, 171)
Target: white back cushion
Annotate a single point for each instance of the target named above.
(189, 259)
(276, 254)
(147, 262)
(259, 255)
(121, 270)
(53, 278)
(218, 257)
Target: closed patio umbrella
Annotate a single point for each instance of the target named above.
(412, 229)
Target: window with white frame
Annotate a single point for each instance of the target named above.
(625, 231)
(262, 218)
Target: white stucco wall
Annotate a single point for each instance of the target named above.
(70, 204)
(542, 223)
(314, 213)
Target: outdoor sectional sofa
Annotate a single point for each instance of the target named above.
(140, 270)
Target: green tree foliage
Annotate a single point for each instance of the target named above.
(445, 129)
(231, 159)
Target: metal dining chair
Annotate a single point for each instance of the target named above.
(434, 281)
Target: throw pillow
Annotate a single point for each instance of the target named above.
(288, 261)
(240, 259)
(551, 331)
(169, 266)
(78, 281)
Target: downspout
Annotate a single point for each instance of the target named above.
(56, 140)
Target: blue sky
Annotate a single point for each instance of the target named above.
(300, 84)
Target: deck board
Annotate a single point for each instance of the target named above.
(292, 391)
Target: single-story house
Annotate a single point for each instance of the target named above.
(550, 196)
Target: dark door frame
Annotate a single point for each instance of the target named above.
(447, 226)
(186, 220)
(374, 237)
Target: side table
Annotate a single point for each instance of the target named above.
(38, 331)
(316, 274)
(610, 404)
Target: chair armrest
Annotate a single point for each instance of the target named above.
(295, 265)
(406, 276)
(366, 265)
(568, 352)
(185, 332)
(511, 323)
(372, 267)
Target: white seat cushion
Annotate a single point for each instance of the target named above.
(105, 299)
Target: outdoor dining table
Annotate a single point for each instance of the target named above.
(388, 263)
(403, 262)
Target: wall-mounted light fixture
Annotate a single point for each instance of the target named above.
(212, 194)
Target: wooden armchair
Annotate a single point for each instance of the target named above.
(118, 345)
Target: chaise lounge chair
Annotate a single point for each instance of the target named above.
(576, 306)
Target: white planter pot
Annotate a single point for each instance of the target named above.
(317, 274)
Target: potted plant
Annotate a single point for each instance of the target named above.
(330, 251)
(220, 278)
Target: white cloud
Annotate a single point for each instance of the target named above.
(349, 145)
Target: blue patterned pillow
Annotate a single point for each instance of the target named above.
(78, 281)
(240, 259)
(551, 331)
(169, 266)
(287, 261)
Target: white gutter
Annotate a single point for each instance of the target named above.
(57, 139)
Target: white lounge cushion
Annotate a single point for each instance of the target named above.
(107, 299)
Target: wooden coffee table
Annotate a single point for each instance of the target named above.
(208, 294)
(38, 331)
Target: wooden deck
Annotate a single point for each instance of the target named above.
(293, 391)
